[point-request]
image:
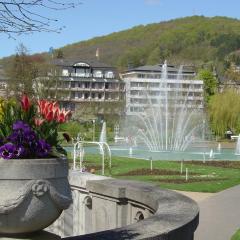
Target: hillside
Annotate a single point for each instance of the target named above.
(190, 40)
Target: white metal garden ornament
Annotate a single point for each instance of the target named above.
(78, 154)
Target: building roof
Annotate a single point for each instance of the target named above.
(158, 68)
(71, 62)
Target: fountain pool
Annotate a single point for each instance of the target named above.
(193, 153)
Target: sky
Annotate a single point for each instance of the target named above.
(100, 17)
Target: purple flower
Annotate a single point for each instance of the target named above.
(21, 126)
(9, 150)
(19, 152)
(43, 148)
(23, 135)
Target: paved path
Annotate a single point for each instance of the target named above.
(197, 196)
(219, 215)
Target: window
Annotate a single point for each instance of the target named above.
(86, 95)
(80, 72)
(65, 72)
(109, 74)
(86, 85)
(97, 74)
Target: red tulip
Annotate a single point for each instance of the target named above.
(63, 116)
(51, 111)
(41, 106)
(25, 102)
(60, 118)
(49, 116)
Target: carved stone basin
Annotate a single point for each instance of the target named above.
(33, 193)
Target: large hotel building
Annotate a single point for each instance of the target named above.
(147, 82)
(81, 83)
(87, 82)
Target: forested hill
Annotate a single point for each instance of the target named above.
(189, 40)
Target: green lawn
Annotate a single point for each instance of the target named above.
(202, 177)
(236, 236)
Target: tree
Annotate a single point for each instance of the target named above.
(46, 83)
(21, 71)
(224, 112)
(22, 16)
(210, 83)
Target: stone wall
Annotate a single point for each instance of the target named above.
(106, 208)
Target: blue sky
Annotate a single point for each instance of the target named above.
(100, 17)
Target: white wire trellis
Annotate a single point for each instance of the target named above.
(79, 152)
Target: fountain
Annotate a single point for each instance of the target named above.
(219, 147)
(168, 123)
(130, 151)
(237, 150)
(168, 126)
(211, 154)
(103, 135)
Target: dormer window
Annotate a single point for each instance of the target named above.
(109, 74)
(81, 64)
(80, 72)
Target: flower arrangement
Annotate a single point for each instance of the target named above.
(29, 129)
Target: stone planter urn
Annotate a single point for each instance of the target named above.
(33, 193)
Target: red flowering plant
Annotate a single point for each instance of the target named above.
(29, 129)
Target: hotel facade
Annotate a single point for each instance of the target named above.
(146, 84)
(87, 85)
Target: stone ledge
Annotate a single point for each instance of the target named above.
(176, 216)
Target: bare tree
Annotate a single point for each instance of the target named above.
(24, 16)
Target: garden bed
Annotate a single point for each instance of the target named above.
(222, 164)
(155, 171)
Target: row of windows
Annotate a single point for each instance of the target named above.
(170, 85)
(171, 101)
(81, 72)
(88, 85)
(94, 85)
(142, 109)
(161, 93)
(169, 76)
(96, 96)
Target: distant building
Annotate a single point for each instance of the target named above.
(148, 79)
(3, 82)
(86, 84)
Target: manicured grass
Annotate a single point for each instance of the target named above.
(236, 236)
(166, 174)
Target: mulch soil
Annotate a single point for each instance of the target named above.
(155, 171)
(222, 164)
(95, 167)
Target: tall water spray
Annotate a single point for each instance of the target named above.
(169, 122)
(237, 151)
(103, 135)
